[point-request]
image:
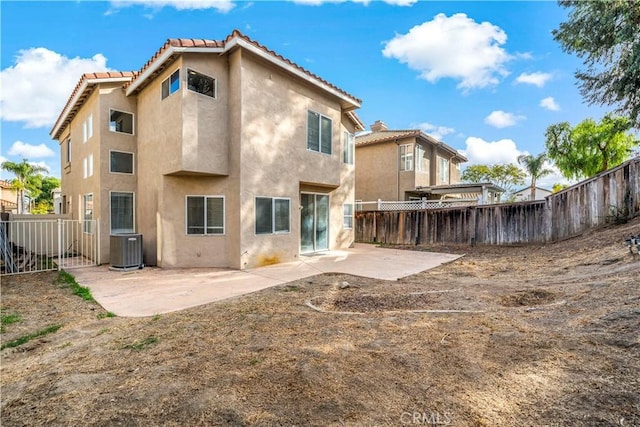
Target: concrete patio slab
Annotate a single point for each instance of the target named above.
(151, 291)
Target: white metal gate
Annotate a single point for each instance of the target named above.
(29, 246)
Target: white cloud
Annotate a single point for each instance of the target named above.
(550, 104)
(536, 79)
(42, 164)
(453, 47)
(222, 6)
(481, 152)
(502, 119)
(30, 151)
(36, 87)
(438, 132)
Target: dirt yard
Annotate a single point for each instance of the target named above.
(505, 336)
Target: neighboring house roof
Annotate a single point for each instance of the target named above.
(522, 190)
(81, 92)
(464, 187)
(5, 184)
(172, 49)
(382, 136)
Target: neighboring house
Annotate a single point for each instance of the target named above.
(220, 153)
(524, 194)
(399, 164)
(8, 197)
(56, 195)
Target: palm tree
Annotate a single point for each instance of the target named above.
(534, 165)
(24, 172)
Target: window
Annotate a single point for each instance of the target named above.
(406, 157)
(443, 170)
(87, 166)
(201, 84)
(120, 162)
(319, 130)
(422, 163)
(348, 148)
(69, 150)
(120, 121)
(87, 129)
(205, 215)
(347, 221)
(87, 213)
(272, 215)
(171, 84)
(122, 213)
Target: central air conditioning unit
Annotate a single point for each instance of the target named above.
(126, 251)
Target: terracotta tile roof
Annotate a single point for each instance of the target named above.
(200, 43)
(68, 115)
(69, 111)
(393, 135)
(356, 120)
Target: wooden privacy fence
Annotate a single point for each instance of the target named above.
(610, 196)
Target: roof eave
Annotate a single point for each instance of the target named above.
(168, 53)
(60, 123)
(348, 103)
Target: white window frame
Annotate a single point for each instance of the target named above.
(348, 148)
(133, 162)
(133, 213)
(273, 216)
(205, 197)
(87, 223)
(406, 157)
(169, 93)
(347, 217)
(215, 84)
(69, 150)
(420, 152)
(133, 122)
(442, 177)
(320, 117)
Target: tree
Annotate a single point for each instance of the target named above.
(507, 176)
(557, 187)
(40, 189)
(605, 35)
(24, 172)
(534, 165)
(590, 147)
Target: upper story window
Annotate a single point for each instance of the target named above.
(69, 150)
(88, 166)
(87, 129)
(200, 83)
(348, 148)
(443, 170)
(319, 129)
(420, 166)
(120, 121)
(120, 162)
(171, 84)
(406, 157)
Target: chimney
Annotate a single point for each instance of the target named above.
(378, 126)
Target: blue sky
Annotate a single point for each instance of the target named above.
(485, 77)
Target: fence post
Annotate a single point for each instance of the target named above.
(59, 243)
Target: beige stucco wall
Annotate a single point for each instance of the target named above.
(378, 175)
(276, 162)
(377, 172)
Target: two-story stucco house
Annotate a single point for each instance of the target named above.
(220, 153)
(399, 164)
